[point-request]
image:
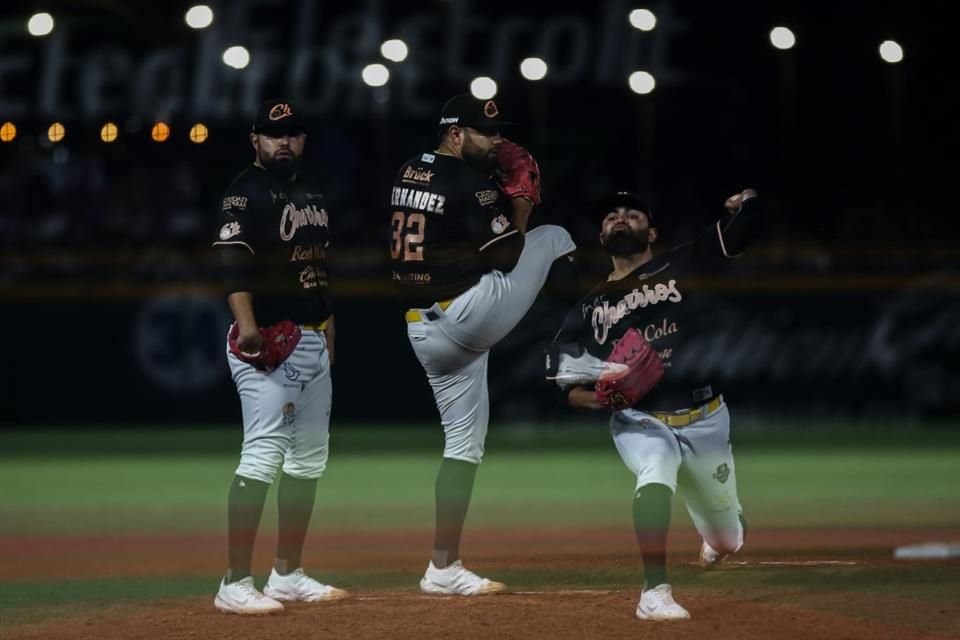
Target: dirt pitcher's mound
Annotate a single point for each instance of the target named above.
(543, 614)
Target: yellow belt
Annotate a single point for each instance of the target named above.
(416, 315)
(317, 327)
(688, 416)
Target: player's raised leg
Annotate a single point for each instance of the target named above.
(482, 316)
(650, 450)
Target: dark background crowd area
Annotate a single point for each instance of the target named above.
(855, 160)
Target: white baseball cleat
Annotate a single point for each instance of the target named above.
(299, 586)
(658, 604)
(709, 557)
(457, 580)
(243, 598)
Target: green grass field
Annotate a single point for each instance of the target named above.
(129, 483)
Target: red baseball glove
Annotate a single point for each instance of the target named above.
(518, 172)
(635, 369)
(279, 341)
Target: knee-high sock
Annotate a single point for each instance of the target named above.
(651, 520)
(245, 505)
(453, 490)
(295, 506)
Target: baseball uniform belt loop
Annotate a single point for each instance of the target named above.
(316, 327)
(686, 417)
(419, 315)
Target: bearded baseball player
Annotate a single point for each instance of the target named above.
(272, 241)
(622, 349)
(468, 270)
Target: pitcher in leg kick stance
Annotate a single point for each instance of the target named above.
(623, 348)
(272, 241)
(468, 269)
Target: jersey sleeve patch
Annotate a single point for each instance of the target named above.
(229, 230)
(499, 224)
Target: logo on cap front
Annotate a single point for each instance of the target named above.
(490, 109)
(280, 111)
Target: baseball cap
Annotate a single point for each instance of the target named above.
(466, 111)
(620, 199)
(278, 114)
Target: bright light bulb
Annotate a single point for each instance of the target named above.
(641, 82)
(237, 57)
(483, 88)
(199, 17)
(533, 68)
(375, 75)
(394, 50)
(890, 51)
(782, 38)
(643, 19)
(40, 24)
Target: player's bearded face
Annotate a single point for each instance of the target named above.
(281, 153)
(625, 233)
(479, 149)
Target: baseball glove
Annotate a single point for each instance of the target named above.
(621, 387)
(518, 172)
(279, 341)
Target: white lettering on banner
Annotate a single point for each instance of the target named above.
(293, 218)
(417, 200)
(315, 61)
(605, 315)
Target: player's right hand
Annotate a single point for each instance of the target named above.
(734, 202)
(250, 343)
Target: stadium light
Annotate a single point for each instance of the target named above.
(891, 52)
(533, 68)
(40, 24)
(375, 75)
(199, 133)
(641, 82)
(8, 132)
(56, 132)
(108, 132)
(394, 50)
(160, 132)
(483, 88)
(236, 56)
(199, 16)
(643, 19)
(782, 38)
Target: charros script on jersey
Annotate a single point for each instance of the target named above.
(606, 315)
(293, 218)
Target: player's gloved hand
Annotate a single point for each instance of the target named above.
(518, 172)
(734, 202)
(622, 387)
(278, 342)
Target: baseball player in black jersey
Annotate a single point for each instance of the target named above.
(468, 270)
(676, 437)
(272, 241)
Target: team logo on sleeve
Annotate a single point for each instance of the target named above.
(499, 224)
(229, 230)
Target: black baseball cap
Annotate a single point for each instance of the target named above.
(278, 115)
(621, 199)
(466, 111)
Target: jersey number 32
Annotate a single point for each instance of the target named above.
(408, 229)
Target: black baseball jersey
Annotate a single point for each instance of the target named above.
(444, 216)
(273, 237)
(661, 299)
